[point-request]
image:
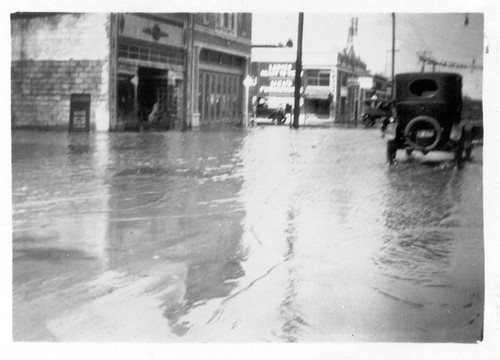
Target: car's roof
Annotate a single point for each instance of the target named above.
(429, 74)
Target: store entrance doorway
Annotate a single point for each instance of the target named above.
(152, 94)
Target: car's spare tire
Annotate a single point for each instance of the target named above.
(423, 133)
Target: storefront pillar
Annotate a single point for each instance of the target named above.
(113, 72)
(196, 85)
(189, 73)
(245, 103)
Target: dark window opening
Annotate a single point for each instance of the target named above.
(228, 21)
(150, 54)
(215, 57)
(316, 77)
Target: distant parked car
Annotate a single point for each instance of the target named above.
(428, 115)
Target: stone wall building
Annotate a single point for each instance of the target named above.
(161, 70)
(54, 56)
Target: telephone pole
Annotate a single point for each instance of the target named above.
(393, 52)
(298, 71)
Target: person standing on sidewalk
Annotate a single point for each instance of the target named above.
(288, 110)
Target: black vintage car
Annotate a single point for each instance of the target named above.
(428, 115)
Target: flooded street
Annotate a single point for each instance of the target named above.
(265, 235)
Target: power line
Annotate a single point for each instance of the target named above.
(424, 57)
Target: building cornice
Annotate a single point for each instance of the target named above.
(159, 18)
(223, 34)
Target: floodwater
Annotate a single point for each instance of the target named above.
(259, 235)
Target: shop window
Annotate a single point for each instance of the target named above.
(316, 77)
(225, 59)
(324, 79)
(243, 19)
(343, 78)
(150, 54)
(312, 77)
(203, 55)
(213, 57)
(206, 18)
(227, 22)
(219, 58)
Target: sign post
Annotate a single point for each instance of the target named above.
(249, 81)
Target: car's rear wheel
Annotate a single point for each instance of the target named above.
(423, 133)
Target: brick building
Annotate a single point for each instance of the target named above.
(163, 70)
(54, 56)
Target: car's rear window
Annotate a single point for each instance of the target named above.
(424, 87)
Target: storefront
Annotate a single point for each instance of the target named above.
(151, 58)
(220, 89)
(318, 93)
(275, 86)
(139, 70)
(348, 91)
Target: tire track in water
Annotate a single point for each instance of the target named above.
(217, 313)
(403, 301)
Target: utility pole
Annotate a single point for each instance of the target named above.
(393, 53)
(388, 51)
(424, 59)
(298, 71)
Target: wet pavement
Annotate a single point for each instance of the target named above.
(265, 235)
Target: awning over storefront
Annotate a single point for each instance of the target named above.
(317, 92)
(127, 70)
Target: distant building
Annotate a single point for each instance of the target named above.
(274, 69)
(158, 70)
(334, 85)
(355, 85)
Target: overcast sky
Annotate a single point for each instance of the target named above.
(444, 35)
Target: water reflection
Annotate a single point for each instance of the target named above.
(57, 178)
(174, 201)
(293, 319)
(269, 235)
(59, 224)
